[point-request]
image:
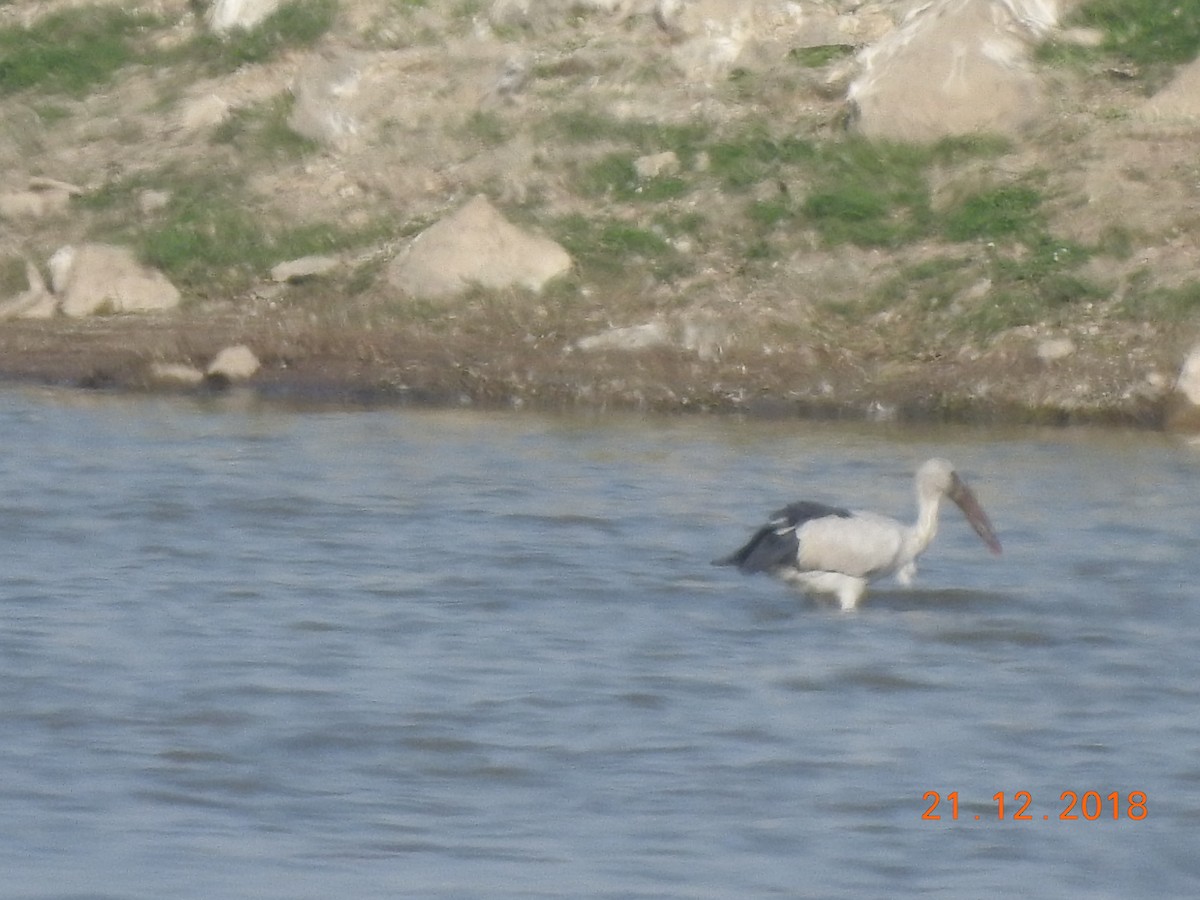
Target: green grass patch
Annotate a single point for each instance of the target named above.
(584, 126)
(1031, 285)
(616, 177)
(1143, 301)
(208, 239)
(1024, 286)
(769, 214)
(73, 51)
(997, 213)
(757, 156)
(77, 50)
(294, 25)
(606, 249)
(1146, 32)
(848, 190)
(870, 193)
(49, 113)
(1000, 311)
(929, 283)
(487, 128)
(262, 132)
(956, 149)
(1144, 38)
(820, 56)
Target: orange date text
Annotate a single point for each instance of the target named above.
(1072, 806)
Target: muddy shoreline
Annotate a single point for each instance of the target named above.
(312, 364)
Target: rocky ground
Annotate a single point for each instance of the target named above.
(807, 326)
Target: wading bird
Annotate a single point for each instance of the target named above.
(828, 550)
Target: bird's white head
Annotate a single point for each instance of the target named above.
(937, 478)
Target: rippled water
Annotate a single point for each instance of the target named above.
(246, 652)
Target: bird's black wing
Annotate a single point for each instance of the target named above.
(796, 514)
(775, 544)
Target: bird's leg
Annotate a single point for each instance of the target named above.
(850, 592)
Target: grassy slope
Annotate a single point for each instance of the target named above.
(752, 188)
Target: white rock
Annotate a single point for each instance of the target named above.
(225, 15)
(235, 363)
(537, 13)
(1055, 349)
(60, 268)
(93, 277)
(177, 373)
(475, 246)
(1188, 382)
(954, 67)
(657, 164)
(708, 35)
(331, 104)
(152, 201)
(699, 335)
(632, 337)
(202, 113)
(305, 267)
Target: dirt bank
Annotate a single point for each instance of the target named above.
(492, 361)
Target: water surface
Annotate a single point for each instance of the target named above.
(247, 652)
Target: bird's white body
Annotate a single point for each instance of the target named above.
(833, 551)
(841, 556)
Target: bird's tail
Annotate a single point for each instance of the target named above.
(769, 549)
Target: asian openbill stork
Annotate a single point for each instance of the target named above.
(828, 550)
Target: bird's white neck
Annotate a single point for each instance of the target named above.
(925, 528)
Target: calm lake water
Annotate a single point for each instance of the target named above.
(248, 652)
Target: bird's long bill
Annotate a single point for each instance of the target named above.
(965, 498)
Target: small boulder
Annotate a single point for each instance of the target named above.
(92, 278)
(656, 165)
(629, 337)
(475, 246)
(1188, 383)
(306, 267)
(708, 36)
(695, 334)
(225, 15)
(1183, 408)
(203, 113)
(1052, 350)
(152, 201)
(335, 98)
(176, 373)
(235, 363)
(953, 67)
